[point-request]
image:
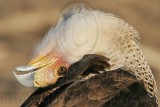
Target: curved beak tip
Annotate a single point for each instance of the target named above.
(25, 79)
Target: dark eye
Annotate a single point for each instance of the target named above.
(62, 71)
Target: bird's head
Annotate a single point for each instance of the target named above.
(42, 71)
(66, 43)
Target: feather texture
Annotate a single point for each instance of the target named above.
(116, 88)
(82, 31)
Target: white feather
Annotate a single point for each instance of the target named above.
(82, 31)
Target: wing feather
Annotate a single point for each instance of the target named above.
(114, 88)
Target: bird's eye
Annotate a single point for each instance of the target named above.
(62, 71)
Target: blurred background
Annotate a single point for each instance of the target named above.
(24, 22)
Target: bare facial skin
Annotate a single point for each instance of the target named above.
(44, 70)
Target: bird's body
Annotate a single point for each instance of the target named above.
(121, 91)
(117, 88)
(83, 31)
(87, 31)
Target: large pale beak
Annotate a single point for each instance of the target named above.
(25, 79)
(42, 72)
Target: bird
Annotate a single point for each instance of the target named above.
(89, 59)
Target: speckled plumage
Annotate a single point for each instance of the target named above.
(87, 31)
(81, 31)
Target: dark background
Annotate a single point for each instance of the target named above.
(24, 22)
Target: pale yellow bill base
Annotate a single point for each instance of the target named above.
(26, 79)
